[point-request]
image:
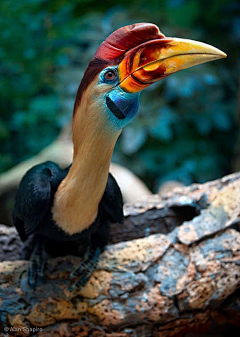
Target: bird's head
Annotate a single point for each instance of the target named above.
(129, 60)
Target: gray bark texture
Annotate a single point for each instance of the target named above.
(173, 268)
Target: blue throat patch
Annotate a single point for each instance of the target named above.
(122, 106)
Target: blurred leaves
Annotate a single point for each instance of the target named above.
(186, 127)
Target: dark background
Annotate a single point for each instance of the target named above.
(187, 128)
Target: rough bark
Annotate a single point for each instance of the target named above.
(172, 268)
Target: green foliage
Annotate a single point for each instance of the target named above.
(186, 128)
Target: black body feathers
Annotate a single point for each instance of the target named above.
(32, 212)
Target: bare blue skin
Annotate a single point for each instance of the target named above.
(121, 107)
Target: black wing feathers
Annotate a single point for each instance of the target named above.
(34, 197)
(36, 192)
(112, 200)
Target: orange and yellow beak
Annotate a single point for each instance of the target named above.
(153, 60)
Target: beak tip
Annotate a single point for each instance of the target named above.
(221, 54)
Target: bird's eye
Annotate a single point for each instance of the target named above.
(110, 75)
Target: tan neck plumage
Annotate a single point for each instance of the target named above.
(77, 198)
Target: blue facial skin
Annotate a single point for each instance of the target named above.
(120, 106)
(127, 105)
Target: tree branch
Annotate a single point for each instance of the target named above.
(174, 266)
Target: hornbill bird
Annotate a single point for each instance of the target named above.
(62, 212)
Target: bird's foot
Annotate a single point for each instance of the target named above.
(37, 264)
(84, 271)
